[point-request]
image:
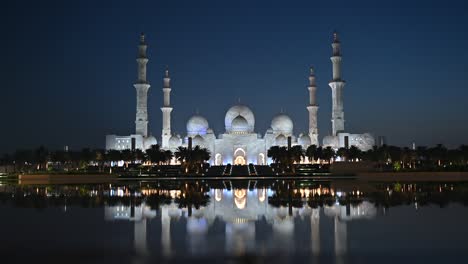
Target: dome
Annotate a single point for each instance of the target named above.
(174, 142)
(304, 140)
(198, 140)
(239, 124)
(243, 111)
(149, 141)
(281, 140)
(197, 125)
(282, 123)
(330, 141)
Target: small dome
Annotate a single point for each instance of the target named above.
(198, 140)
(282, 123)
(197, 125)
(330, 141)
(304, 140)
(174, 142)
(239, 124)
(149, 141)
(281, 140)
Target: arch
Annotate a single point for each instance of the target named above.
(239, 150)
(240, 156)
(218, 159)
(261, 159)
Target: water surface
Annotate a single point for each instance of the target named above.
(234, 221)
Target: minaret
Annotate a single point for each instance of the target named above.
(166, 110)
(337, 85)
(142, 86)
(312, 108)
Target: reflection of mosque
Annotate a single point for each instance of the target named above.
(248, 221)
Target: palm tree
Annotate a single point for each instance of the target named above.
(41, 157)
(354, 153)
(139, 155)
(438, 154)
(99, 157)
(311, 153)
(344, 153)
(274, 154)
(155, 154)
(114, 155)
(192, 160)
(328, 154)
(127, 156)
(167, 156)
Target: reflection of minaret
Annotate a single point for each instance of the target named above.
(340, 237)
(312, 108)
(166, 110)
(165, 231)
(142, 86)
(140, 236)
(337, 85)
(315, 231)
(138, 215)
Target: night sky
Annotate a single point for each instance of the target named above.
(68, 67)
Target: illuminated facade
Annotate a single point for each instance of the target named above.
(141, 139)
(239, 144)
(339, 137)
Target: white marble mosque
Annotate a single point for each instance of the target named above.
(239, 144)
(241, 211)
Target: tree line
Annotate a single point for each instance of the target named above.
(386, 157)
(41, 159)
(390, 157)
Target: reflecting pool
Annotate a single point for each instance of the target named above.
(275, 221)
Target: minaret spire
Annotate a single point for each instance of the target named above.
(166, 109)
(313, 109)
(142, 86)
(337, 86)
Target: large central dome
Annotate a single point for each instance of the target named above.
(239, 110)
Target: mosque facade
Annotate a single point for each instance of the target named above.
(240, 143)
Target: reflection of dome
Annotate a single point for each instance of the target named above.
(174, 142)
(282, 123)
(304, 140)
(243, 111)
(239, 124)
(330, 141)
(149, 141)
(174, 212)
(198, 140)
(197, 125)
(281, 140)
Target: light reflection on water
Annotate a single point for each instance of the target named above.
(199, 220)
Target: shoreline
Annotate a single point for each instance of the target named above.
(355, 177)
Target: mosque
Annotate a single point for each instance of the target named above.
(239, 144)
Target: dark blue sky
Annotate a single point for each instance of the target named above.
(68, 66)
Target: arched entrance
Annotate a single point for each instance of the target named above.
(261, 159)
(239, 160)
(218, 159)
(239, 157)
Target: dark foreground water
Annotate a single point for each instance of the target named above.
(234, 222)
